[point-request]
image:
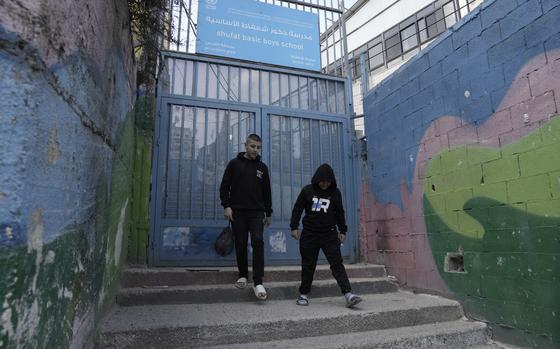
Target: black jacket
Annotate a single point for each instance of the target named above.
(323, 208)
(246, 185)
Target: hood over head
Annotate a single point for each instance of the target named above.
(324, 173)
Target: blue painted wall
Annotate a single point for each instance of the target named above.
(66, 98)
(466, 72)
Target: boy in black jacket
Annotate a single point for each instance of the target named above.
(246, 197)
(322, 202)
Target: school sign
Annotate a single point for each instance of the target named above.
(255, 31)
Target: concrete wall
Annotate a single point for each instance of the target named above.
(66, 93)
(463, 157)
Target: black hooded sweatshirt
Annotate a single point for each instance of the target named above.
(323, 208)
(246, 185)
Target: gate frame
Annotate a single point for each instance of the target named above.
(261, 111)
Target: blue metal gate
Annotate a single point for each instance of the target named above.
(206, 108)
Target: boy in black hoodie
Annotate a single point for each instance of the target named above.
(246, 198)
(322, 202)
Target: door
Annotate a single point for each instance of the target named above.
(195, 142)
(295, 146)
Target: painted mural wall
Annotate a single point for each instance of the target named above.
(461, 195)
(67, 86)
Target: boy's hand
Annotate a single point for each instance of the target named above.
(295, 234)
(228, 213)
(341, 237)
(267, 221)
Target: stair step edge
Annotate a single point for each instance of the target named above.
(163, 288)
(419, 337)
(228, 334)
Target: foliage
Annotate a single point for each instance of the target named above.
(151, 25)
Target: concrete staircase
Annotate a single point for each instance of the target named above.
(191, 308)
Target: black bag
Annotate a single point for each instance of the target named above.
(224, 242)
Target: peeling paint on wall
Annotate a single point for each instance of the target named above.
(177, 237)
(54, 151)
(7, 327)
(35, 243)
(277, 242)
(120, 234)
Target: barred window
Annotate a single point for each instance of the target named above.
(375, 56)
(435, 23)
(393, 46)
(409, 37)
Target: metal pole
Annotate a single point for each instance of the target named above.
(316, 6)
(365, 77)
(345, 61)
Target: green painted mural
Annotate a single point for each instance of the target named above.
(141, 181)
(497, 211)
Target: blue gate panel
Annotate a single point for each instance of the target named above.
(296, 147)
(201, 143)
(206, 110)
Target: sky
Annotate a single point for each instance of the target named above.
(349, 3)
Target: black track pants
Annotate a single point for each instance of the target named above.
(245, 222)
(309, 246)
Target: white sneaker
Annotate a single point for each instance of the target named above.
(352, 299)
(260, 292)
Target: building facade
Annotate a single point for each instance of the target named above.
(383, 35)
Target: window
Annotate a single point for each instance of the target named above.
(356, 69)
(339, 71)
(463, 7)
(393, 46)
(375, 56)
(422, 30)
(330, 55)
(449, 12)
(409, 37)
(435, 23)
(473, 4)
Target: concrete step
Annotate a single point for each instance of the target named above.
(196, 325)
(139, 277)
(450, 334)
(228, 293)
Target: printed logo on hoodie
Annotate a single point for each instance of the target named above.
(259, 174)
(320, 204)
